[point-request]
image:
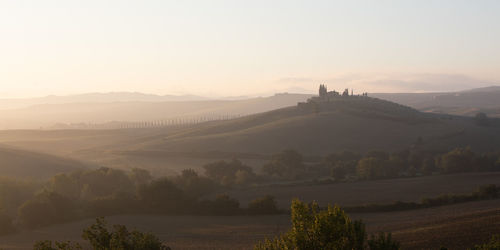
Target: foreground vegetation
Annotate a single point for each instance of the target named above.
(311, 228)
(101, 238)
(327, 229)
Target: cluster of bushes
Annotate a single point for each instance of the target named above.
(482, 193)
(380, 164)
(106, 191)
(99, 236)
(287, 164)
(290, 165)
(313, 228)
(229, 173)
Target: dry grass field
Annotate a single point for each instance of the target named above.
(457, 226)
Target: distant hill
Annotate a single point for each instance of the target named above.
(27, 164)
(354, 123)
(47, 115)
(468, 102)
(95, 98)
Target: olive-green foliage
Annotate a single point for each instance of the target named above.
(227, 173)
(493, 244)
(313, 228)
(286, 164)
(193, 185)
(383, 241)
(162, 196)
(342, 164)
(370, 168)
(263, 205)
(457, 160)
(14, 192)
(100, 238)
(48, 245)
(45, 209)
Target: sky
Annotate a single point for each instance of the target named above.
(231, 48)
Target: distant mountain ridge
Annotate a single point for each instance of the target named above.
(467, 102)
(96, 98)
(47, 115)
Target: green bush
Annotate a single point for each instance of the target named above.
(383, 241)
(493, 244)
(315, 229)
(45, 209)
(263, 205)
(100, 238)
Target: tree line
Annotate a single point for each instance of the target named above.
(107, 191)
(377, 164)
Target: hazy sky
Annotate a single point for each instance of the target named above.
(246, 47)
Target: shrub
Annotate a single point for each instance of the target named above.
(47, 245)
(225, 173)
(315, 229)
(162, 196)
(263, 205)
(286, 164)
(101, 238)
(383, 241)
(493, 244)
(45, 209)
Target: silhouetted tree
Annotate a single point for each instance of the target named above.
(286, 164)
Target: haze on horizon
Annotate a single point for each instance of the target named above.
(229, 48)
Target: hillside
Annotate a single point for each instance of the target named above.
(94, 98)
(27, 164)
(355, 123)
(468, 102)
(142, 108)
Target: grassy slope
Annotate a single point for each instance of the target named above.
(26, 164)
(356, 126)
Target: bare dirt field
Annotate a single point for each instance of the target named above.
(456, 226)
(378, 191)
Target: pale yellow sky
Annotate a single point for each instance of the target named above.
(222, 48)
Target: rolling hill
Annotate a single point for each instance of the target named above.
(468, 102)
(27, 164)
(353, 123)
(345, 123)
(105, 109)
